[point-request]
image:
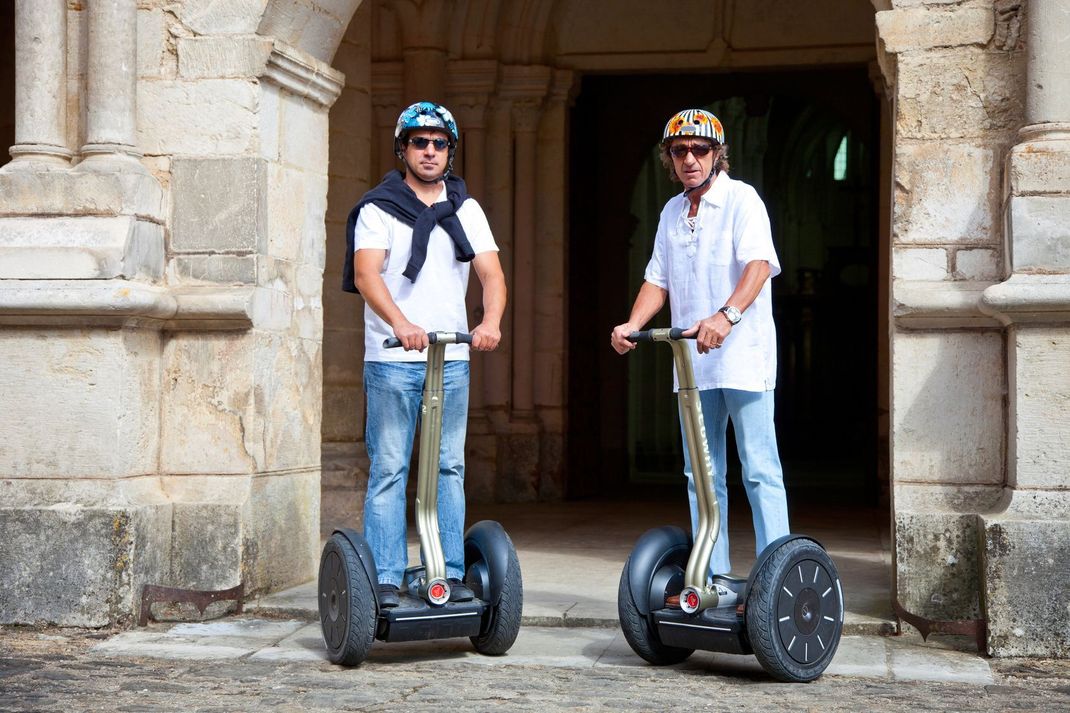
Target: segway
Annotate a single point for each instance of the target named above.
(788, 612)
(350, 613)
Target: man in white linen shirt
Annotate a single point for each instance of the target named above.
(713, 258)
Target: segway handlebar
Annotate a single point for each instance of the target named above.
(432, 338)
(647, 335)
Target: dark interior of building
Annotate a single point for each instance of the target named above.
(808, 142)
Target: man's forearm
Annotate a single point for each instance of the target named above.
(750, 284)
(648, 303)
(494, 297)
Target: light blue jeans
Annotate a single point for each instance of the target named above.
(394, 391)
(752, 419)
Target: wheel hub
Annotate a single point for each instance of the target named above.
(808, 609)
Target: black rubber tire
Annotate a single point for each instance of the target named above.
(791, 613)
(505, 617)
(346, 604)
(638, 631)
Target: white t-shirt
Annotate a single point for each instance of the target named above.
(435, 301)
(700, 269)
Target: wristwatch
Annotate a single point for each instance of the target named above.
(732, 314)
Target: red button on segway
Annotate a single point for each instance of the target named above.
(692, 600)
(437, 591)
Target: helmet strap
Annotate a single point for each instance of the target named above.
(705, 184)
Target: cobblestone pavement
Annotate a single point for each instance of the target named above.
(70, 670)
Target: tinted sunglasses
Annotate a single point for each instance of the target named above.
(421, 142)
(697, 150)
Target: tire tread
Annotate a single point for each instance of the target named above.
(507, 615)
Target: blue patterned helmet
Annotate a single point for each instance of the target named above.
(426, 115)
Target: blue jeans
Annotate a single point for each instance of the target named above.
(752, 418)
(394, 391)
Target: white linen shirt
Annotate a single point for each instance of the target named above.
(435, 302)
(701, 268)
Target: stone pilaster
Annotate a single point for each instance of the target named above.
(469, 85)
(1026, 555)
(40, 84)
(525, 87)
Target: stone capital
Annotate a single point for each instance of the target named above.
(525, 82)
(526, 115)
(387, 84)
(476, 77)
(302, 74)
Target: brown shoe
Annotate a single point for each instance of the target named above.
(673, 602)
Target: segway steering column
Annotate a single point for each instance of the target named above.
(696, 594)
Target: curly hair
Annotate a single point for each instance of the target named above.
(720, 160)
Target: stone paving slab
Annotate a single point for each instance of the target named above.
(254, 639)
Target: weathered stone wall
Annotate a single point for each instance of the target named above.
(975, 256)
(161, 288)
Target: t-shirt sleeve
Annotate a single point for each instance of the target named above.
(657, 270)
(371, 230)
(753, 236)
(476, 227)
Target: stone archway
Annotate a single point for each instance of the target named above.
(162, 258)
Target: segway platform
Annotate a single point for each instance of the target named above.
(416, 620)
(717, 629)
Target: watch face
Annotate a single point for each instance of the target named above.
(732, 314)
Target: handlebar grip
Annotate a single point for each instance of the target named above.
(432, 337)
(676, 333)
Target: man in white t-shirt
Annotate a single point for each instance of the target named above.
(713, 259)
(411, 241)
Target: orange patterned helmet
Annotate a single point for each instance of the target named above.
(694, 122)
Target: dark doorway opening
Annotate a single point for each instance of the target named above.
(808, 141)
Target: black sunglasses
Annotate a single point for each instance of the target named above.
(421, 142)
(697, 150)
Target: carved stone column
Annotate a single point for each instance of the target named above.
(469, 84)
(111, 83)
(526, 116)
(386, 105)
(525, 88)
(40, 84)
(551, 239)
(1028, 541)
(499, 208)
